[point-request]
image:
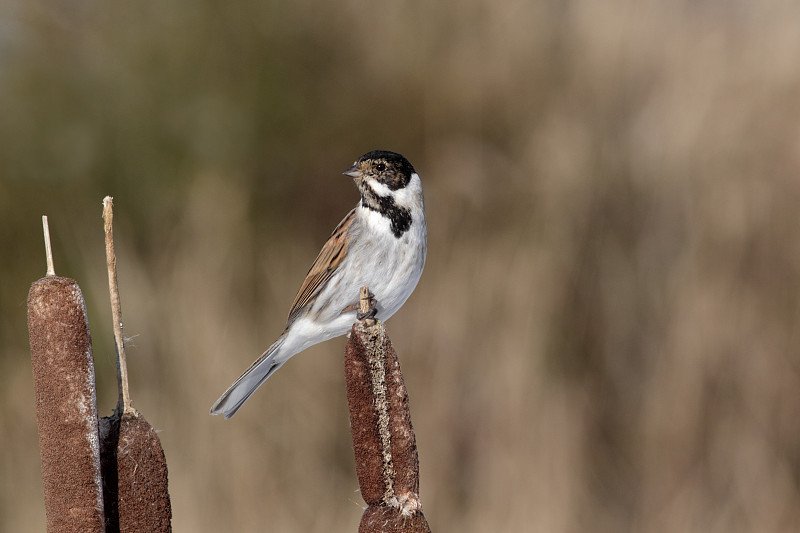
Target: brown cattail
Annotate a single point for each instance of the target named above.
(66, 404)
(385, 449)
(134, 475)
(135, 484)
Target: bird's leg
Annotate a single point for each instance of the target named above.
(367, 305)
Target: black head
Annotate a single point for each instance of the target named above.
(388, 168)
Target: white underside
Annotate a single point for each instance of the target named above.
(388, 265)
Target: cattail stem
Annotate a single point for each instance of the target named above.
(48, 250)
(135, 478)
(66, 404)
(385, 448)
(124, 401)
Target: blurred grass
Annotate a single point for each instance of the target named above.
(605, 336)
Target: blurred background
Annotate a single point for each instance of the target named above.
(605, 337)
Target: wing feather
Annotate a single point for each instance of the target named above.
(330, 257)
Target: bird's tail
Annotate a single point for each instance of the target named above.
(253, 377)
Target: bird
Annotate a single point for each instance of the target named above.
(381, 244)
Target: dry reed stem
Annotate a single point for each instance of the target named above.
(385, 449)
(48, 250)
(124, 402)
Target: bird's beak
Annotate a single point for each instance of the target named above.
(353, 172)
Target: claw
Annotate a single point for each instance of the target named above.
(370, 313)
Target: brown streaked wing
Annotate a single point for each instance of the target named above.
(326, 263)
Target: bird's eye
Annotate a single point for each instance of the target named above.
(380, 167)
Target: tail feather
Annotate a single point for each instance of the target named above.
(253, 377)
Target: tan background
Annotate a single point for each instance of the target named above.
(605, 337)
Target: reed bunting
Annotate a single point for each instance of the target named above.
(381, 244)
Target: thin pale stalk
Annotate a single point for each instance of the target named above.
(124, 401)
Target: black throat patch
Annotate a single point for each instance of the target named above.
(399, 217)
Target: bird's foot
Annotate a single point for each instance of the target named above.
(367, 307)
(370, 313)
